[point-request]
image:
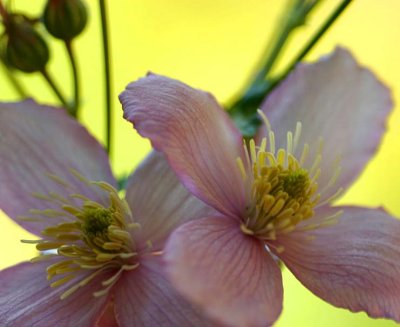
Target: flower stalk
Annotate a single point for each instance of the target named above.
(244, 110)
(56, 90)
(311, 43)
(107, 74)
(74, 68)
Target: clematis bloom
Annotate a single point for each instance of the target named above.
(274, 194)
(99, 252)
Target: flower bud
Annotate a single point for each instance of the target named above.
(24, 48)
(65, 19)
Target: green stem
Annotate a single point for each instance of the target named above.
(75, 106)
(107, 74)
(15, 82)
(56, 90)
(315, 38)
(292, 19)
(276, 49)
(244, 110)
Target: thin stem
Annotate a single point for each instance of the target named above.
(55, 89)
(15, 82)
(315, 38)
(310, 44)
(243, 111)
(276, 49)
(107, 74)
(75, 106)
(292, 19)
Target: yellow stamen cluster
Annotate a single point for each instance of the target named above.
(283, 192)
(87, 236)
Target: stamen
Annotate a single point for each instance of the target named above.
(253, 150)
(283, 192)
(43, 257)
(272, 142)
(58, 180)
(297, 134)
(241, 167)
(289, 147)
(304, 154)
(88, 237)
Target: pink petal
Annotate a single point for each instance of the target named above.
(144, 297)
(107, 318)
(354, 264)
(228, 274)
(28, 300)
(36, 140)
(337, 100)
(199, 140)
(159, 202)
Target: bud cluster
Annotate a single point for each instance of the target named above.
(24, 48)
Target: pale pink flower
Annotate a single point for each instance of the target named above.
(56, 182)
(274, 195)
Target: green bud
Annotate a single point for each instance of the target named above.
(65, 19)
(23, 47)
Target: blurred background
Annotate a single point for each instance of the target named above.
(215, 45)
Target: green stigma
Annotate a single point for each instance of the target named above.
(96, 222)
(296, 183)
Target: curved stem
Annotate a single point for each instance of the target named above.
(107, 74)
(56, 90)
(75, 106)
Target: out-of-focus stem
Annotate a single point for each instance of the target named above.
(293, 18)
(315, 38)
(56, 90)
(107, 74)
(75, 106)
(3, 11)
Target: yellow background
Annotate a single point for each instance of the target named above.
(214, 45)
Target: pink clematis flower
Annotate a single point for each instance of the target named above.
(274, 193)
(104, 250)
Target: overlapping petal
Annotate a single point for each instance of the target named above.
(159, 201)
(337, 100)
(354, 264)
(199, 140)
(229, 274)
(36, 140)
(144, 297)
(28, 300)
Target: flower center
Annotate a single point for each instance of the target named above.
(284, 191)
(88, 238)
(96, 222)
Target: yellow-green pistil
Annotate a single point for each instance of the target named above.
(88, 238)
(283, 191)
